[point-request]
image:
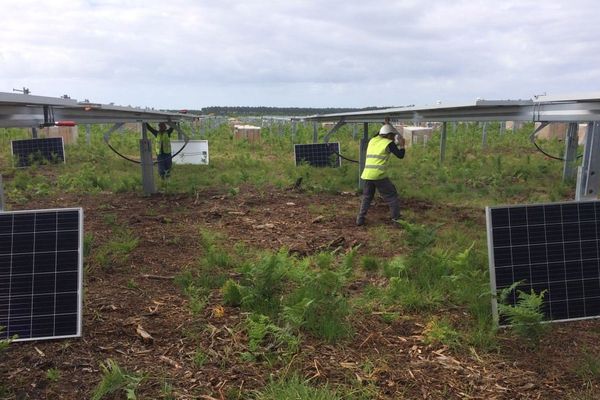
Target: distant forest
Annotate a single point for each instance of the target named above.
(273, 111)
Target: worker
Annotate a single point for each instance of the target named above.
(388, 141)
(163, 148)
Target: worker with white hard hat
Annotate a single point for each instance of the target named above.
(388, 141)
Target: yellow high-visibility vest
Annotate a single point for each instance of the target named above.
(163, 141)
(377, 159)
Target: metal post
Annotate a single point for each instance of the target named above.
(34, 133)
(569, 170)
(354, 131)
(315, 132)
(1, 194)
(146, 162)
(502, 127)
(588, 177)
(293, 130)
(443, 142)
(88, 134)
(362, 157)
(484, 136)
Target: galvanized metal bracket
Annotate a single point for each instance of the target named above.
(114, 128)
(588, 177)
(333, 130)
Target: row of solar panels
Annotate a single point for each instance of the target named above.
(29, 151)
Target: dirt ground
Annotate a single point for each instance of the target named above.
(118, 302)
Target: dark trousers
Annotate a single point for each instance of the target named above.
(387, 190)
(164, 162)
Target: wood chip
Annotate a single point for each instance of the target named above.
(41, 353)
(289, 203)
(264, 226)
(171, 362)
(318, 219)
(143, 334)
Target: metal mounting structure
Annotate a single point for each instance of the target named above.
(544, 109)
(28, 111)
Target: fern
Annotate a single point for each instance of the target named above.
(526, 315)
(115, 379)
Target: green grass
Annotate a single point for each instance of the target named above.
(297, 389)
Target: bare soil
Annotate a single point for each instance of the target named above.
(391, 357)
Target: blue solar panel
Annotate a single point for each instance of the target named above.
(551, 248)
(40, 274)
(29, 151)
(318, 154)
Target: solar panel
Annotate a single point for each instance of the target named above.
(318, 154)
(548, 247)
(29, 151)
(195, 152)
(41, 273)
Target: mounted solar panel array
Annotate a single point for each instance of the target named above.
(29, 151)
(550, 247)
(41, 274)
(195, 152)
(318, 154)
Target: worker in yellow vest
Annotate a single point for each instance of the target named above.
(387, 142)
(162, 145)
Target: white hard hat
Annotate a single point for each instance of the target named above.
(388, 128)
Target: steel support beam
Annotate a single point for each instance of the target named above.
(571, 141)
(2, 204)
(315, 132)
(146, 163)
(484, 136)
(88, 134)
(588, 177)
(333, 130)
(362, 157)
(443, 133)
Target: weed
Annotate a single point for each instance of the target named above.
(440, 331)
(369, 263)
(264, 334)
(525, 316)
(297, 389)
(53, 374)
(588, 368)
(116, 252)
(115, 379)
(232, 295)
(200, 358)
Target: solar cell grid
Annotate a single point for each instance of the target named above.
(318, 154)
(40, 274)
(28, 151)
(552, 248)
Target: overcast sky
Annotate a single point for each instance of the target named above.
(328, 53)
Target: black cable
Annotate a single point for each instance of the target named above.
(331, 148)
(138, 161)
(549, 155)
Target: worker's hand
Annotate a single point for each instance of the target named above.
(400, 142)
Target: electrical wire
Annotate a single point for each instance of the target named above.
(138, 161)
(550, 155)
(332, 149)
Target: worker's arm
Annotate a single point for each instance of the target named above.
(151, 129)
(398, 152)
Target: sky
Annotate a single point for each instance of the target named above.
(299, 53)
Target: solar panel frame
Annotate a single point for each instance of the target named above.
(324, 160)
(78, 307)
(559, 224)
(195, 152)
(22, 160)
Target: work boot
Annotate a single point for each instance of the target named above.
(360, 220)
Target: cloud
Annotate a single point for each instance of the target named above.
(187, 53)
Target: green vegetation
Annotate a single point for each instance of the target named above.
(526, 315)
(297, 389)
(115, 379)
(432, 272)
